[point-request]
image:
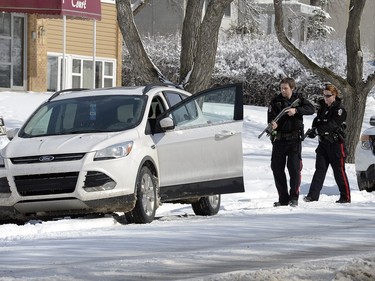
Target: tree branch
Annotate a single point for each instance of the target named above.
(147, 71)
(207, 45)
(322, 72)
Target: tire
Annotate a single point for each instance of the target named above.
(364, 184)
(207, 206)
(146, 204)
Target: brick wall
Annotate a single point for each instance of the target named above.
(37, 54)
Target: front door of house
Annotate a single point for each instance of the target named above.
(12, 51)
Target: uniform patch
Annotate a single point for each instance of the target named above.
(339, 112)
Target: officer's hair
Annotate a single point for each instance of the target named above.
(289, 81)
(332, 89)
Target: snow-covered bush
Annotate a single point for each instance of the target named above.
(259, 63)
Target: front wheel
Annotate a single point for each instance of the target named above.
(364, 184)
(207, 206)
(146, 204)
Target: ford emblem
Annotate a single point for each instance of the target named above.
(46, 158)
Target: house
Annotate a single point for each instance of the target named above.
(296, 16)
(33, 46)
(149, 22)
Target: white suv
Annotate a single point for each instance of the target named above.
(124, 150)
(365, 159)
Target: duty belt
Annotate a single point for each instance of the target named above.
(333, 137)
(287, 136)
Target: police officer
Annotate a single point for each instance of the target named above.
(329, 125)
(286, 141)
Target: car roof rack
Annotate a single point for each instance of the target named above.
(151, 86)
(65, 91)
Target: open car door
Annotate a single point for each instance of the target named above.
(199, 145)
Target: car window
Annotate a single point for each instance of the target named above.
(173, 97)
(207, 108)
(155, 110)
(85, 114)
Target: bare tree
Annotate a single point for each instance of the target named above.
(354, 88)
(199, 43)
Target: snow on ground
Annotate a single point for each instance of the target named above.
(248, 240)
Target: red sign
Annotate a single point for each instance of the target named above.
(90, 9)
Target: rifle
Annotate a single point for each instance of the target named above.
(268, 129)
(307, 133)
(337, 134)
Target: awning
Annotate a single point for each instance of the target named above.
(90, 9)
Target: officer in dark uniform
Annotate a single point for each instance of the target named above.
(286, 141)
(329, 125)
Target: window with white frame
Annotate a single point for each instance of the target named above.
(80, 73)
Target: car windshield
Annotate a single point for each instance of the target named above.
(85, 114)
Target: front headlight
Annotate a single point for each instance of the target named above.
(114, 151)
(366, 142)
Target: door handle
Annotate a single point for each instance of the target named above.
(224, 134)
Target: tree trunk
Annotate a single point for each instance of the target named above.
(354, 89)
(189, 38)
(145, 69)
(207, 46)
(354, 53)
(199, 43)
(355, 104)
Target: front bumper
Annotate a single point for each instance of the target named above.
(30, 209)
(64, 188)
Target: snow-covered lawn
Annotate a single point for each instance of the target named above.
(248, 240)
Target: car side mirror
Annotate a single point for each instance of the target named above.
(372, 120)
(167, 124)
(12, 133)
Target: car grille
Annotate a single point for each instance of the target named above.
(45, 184)
(51, 158)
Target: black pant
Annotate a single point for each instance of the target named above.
(333, 154)
(287, 152)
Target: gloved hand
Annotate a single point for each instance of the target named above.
(313, 133)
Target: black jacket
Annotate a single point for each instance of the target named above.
(289, 124)
(330, 120)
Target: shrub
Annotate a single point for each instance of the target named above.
(259, 63)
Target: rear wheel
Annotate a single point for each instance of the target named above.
(146, 204)
(207, 206)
